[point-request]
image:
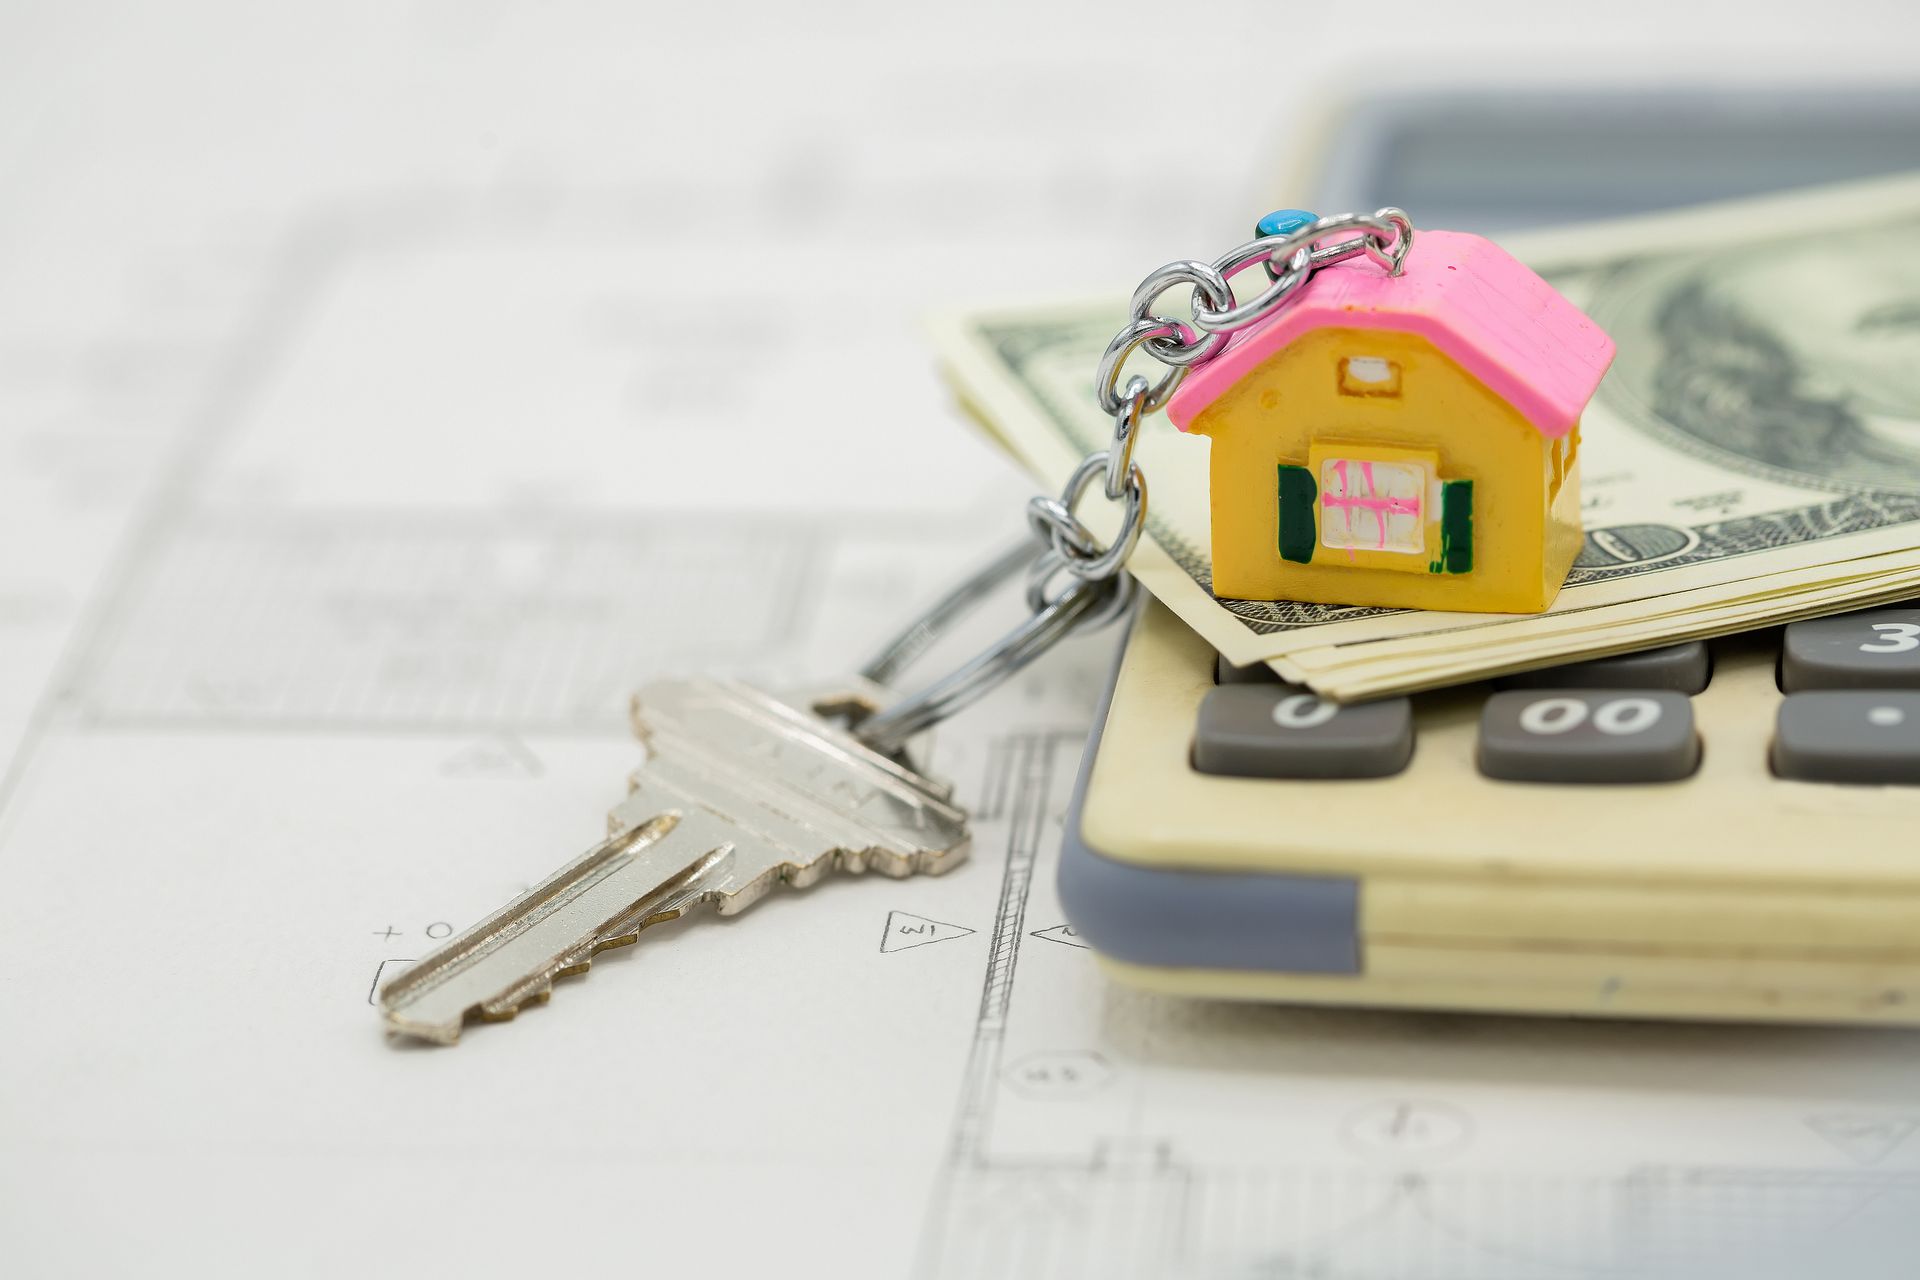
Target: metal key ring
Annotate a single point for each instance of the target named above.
(889, 730)
(918, 635)
(1044, 571)
(1054, 520)
(1133, 517)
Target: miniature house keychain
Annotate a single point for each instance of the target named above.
(1389, 426)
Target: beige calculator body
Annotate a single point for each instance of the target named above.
(1732, 893)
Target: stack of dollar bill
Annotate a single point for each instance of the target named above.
(1752, 458)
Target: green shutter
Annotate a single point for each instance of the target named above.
(1298, 494)
(1456, 527)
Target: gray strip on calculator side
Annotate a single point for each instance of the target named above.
(1203, 919)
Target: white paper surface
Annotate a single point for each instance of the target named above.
(380, 402)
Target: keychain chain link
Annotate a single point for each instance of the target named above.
(1213, 317)
(1092, 585)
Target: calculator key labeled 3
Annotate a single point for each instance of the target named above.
(1867, 736)
(1588, 736)
(1875, 649)
(1283, 731)
(1683, 668)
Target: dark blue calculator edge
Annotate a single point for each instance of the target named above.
(1276, 922)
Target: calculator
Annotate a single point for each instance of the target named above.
(1724, 830)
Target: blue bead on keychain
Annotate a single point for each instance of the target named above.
(1284, 222)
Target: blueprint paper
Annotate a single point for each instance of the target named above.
(353, 479)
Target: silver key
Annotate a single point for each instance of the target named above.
(740, 792)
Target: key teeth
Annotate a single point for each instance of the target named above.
(794, 875)
(503, 1012)
(507, 1007)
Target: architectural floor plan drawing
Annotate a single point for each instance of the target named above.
(352, 674)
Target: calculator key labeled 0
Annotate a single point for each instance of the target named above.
(1875, 649)
(1588, 736)
(1283, 731)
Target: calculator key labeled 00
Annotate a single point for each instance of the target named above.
(1586, 735)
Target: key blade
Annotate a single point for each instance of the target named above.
(601, 899)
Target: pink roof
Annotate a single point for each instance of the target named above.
(1474, 301)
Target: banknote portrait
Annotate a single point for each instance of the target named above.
(1797, 361)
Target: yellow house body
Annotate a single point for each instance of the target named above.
(1407, 442)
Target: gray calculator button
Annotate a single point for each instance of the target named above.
(1225, 672)
(1588, 735)
(1682, 668)
(1875, 649)
(1283, 731)
(1853, 736)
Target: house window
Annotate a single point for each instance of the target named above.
(1373, 506)
(1369, 376)
(1566, 451)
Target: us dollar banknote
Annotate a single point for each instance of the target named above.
(1753, 455)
